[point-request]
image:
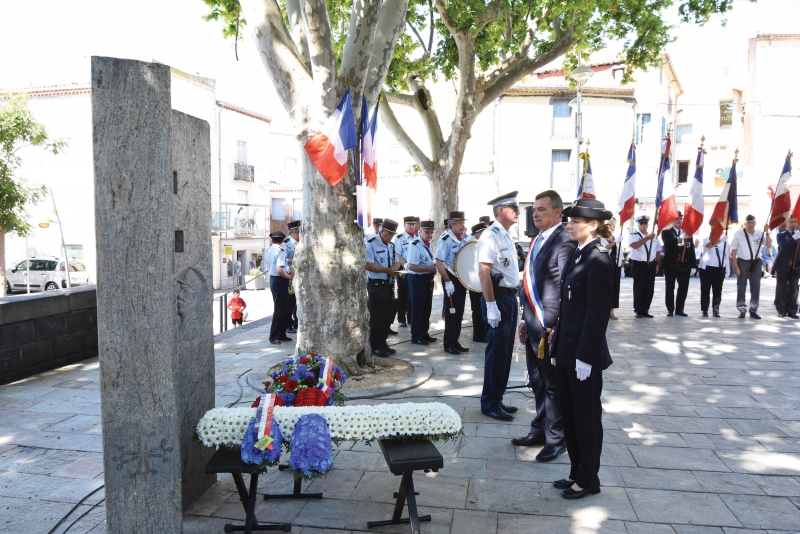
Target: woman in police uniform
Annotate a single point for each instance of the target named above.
(579, 344)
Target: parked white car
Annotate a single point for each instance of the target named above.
(46, 274)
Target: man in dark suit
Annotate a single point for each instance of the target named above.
(540, 292)
(788, 269)
(677, 263)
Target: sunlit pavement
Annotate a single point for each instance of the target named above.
(702, 435)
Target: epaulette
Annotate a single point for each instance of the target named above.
(415, 242)
(286, 240)
(495, 229)
(603, 249)
(445, 236)
(371, 239)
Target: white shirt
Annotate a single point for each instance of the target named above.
(709, 257)
(640, 254)
(497, 247)
(739, 244)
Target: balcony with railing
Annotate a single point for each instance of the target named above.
(562, 179)
(562, 129)
(243, 172)
(247, 227)
(219, 220)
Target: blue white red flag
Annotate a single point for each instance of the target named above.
(781, 200)
(368, 150)
(666, 205)
(363, 191)
(627, 199)
(726, 210)
(694, 208)
(328, 147)
(586, 187)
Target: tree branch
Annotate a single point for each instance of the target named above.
(512, 75)
(447, 20)
(280, 56)
(419, 37)
(520, 55)
(391, 24)
(393, 125)
(400, 98)
(430, 33)
(492, 12)
(423, 103)
(297, 31)
(317, 28)
(358, 48)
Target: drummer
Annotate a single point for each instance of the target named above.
(455, 294)
(478, 326)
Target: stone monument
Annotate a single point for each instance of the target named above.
(152, 168)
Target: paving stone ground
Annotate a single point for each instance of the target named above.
(702, 436)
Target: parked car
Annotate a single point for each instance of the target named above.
(46, 274)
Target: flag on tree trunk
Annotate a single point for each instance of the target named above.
(781, 200)
(627, 199)
(368, 151)
(586, 188)
(328, 147)
(693, 210)
(363, 192)
(727, 209)
(666, 205)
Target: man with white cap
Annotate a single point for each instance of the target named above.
(644, 256)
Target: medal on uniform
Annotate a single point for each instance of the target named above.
(578, 259)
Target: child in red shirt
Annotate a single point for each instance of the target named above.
(237, 306)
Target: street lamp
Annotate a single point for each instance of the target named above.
(579, 75)
(46, 224)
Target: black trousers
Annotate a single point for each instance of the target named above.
(615, 289)
(280, 296)
(675, 302)
(291, 307)
(420, 293)
(478, 327)
(644, 283)
(378, 295)
(499, 349)
(403, 313)
(786, 293)
(544, 383)
(711, 279)
(583, 423)
(294, 312)
(452, 321)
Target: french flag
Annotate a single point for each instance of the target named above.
(368, 151)
(586, 189)
(666, 205)
(781, 200)
(328, 147)
(726, 210)
(362, 170)
(693, 210)
(627, 199)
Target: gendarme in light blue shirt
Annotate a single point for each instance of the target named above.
(419, 254)
(289, 244)
(401, 242)
(379, 254)
(283, 261)
(271, 259)
(447, 247)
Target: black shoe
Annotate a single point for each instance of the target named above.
(461, 347)
(682, 314)
(500, 415)
(383, 353)
(639, 315)
(716, 314)
(392, 332)
(285, 338)
(430, 339)
(570, 493)
(781, 315)
(669, 314)
(479, 340)
(741, 315)
(452, 350)
(419, 342)
(530, 440)
(390, 350)
(754, 315)
(551, 452)
(647, 314)
(563, 483)
(705, 314)
(291, 330)
(508, 409)
(274, 342)
(403, 324)
(793, 315)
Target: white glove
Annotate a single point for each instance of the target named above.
(583, 370)
(449, 288)
(553, 362)
(405, 266)
(723, 239)
(493, 314)
(796, 235)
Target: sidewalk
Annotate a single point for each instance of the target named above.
(702, 436)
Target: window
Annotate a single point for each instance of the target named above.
(241, 147)
(297, 209)
(22, 266)
(726, 72)
(395, 154)
(76, 266)
(642, 119)
(278, 209)
(75, 251)
(681, 130)
(560, 169)
(683, 172)
(725, 113)
(394, 207)
(561, 109)
(562, 125)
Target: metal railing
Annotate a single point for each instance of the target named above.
(247, 227)
(223, 301)
(220, 220)
(243, 172)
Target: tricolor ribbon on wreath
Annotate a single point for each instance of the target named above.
(529, 283)
(263, 424)
(326, 376)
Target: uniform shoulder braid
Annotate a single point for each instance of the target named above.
(415, 242)
(603, 249)
(286, 240)
(371, 239)
(445, 236)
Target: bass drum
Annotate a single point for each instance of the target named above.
(466, 264)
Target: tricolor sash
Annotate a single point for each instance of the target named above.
(529, 283)
(263, 425)
(326, 376)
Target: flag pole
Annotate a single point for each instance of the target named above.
(658, 208)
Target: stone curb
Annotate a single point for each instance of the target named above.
(222, 336)
(421, 374)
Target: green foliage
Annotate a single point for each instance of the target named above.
(639, 25)
(18, 129)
